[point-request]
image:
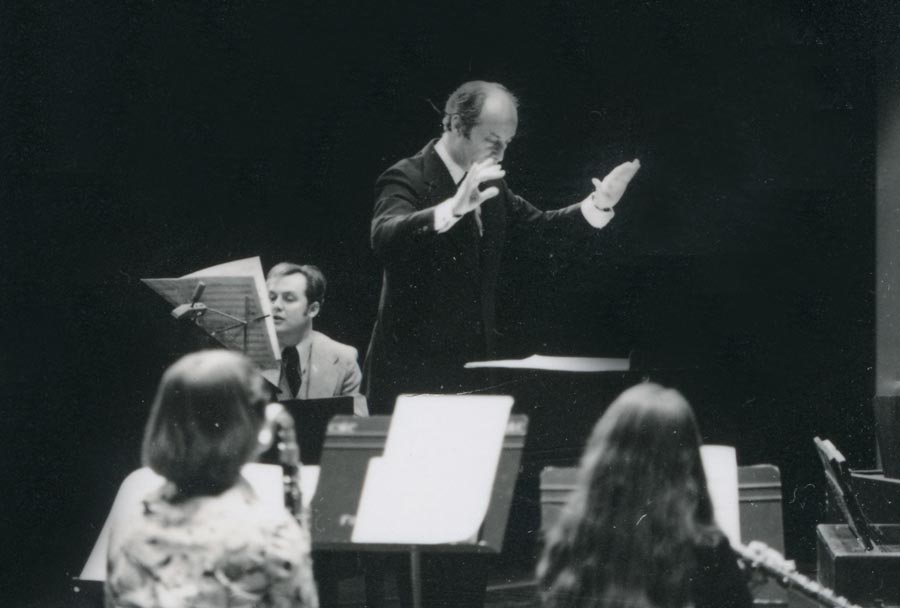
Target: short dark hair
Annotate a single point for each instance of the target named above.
(205, 421)
(467, 102)
(315, 280)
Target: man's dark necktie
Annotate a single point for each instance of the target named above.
(290, 361)
(476, 212)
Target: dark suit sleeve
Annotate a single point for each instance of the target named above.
(565, 227)
(568, 218)
(399, 219)
(525, 212)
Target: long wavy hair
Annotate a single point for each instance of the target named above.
(627, 537)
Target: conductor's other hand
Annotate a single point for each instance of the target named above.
(468, 195)
(608, 192)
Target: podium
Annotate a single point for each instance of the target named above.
(562, 408)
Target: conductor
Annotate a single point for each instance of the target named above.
(440, 223)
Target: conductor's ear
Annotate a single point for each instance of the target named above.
(314, 309)
(455, 124)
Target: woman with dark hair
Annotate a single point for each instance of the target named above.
(203, 538)
(638, 531)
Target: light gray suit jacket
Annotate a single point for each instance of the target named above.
(331, 370)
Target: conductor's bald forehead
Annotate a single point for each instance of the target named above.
(499, 105)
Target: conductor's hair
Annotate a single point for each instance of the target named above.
(204, 422)
(467, 102)
(315, 280)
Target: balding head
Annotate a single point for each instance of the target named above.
(480, 120)
(468, 101)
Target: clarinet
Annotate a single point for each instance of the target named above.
(761, 557)
(289, 459)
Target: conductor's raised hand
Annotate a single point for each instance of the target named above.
(608, 192)
(469, 195)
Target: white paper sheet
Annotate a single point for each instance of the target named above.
(720, 466)
(433, 484)
(266, 480)
(248, 267)
(561, 364)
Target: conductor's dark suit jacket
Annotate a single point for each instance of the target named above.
(437, 305)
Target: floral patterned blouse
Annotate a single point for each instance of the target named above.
(227, 550)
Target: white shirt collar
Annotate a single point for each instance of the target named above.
(456, 172)
(303, 350)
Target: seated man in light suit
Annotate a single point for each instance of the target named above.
(313, 366)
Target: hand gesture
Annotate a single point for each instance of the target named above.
(608, 192)
(468, 195)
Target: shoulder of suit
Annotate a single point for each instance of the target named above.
(340, 349)
(412, 164)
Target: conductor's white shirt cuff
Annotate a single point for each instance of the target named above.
(443, 216)
(598, 218)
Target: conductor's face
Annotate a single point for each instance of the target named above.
(291, 311)
(493, 133)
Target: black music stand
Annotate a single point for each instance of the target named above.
(350, 443)
(837, 475)
(311, 417)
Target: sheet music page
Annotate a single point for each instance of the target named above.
(226, 300)
(248, 267)
(720, 466)
(433, 484)
(563, 364)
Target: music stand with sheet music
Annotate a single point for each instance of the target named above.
(346, 468)
(230, 303)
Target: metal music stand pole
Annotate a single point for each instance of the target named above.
(415, 575)
(247, 312)
(196, 309)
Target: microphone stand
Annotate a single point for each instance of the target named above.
(195, 309)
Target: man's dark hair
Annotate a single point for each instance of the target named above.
(467, 102)
(315, 280)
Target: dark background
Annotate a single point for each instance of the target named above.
(147, 140)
